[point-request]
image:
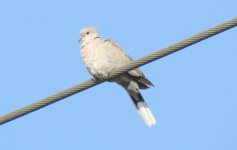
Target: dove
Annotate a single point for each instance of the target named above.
(102, 56)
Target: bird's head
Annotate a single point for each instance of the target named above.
(88, 33)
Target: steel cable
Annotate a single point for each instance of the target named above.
(140, 62)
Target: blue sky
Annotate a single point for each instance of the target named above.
(194, 98)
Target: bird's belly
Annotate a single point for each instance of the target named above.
(102, 63)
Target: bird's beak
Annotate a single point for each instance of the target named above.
(80, 40)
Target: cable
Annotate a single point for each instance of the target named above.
(140, 62)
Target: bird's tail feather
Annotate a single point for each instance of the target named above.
(143, 108)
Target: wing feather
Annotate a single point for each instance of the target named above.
(136, 74)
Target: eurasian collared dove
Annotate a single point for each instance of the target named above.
(102, 56)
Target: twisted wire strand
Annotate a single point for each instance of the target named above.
(140, 62)
(176, 47)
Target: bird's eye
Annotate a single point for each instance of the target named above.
(87, 33)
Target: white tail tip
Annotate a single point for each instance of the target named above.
(146, 114)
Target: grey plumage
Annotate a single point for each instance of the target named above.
(102, 56)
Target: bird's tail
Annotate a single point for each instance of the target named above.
(142, 108)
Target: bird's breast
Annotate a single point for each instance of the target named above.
(97, 59)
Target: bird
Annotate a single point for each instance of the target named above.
(102, 56)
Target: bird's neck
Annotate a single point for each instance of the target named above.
(87, 41)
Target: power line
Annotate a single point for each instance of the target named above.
(140, 62)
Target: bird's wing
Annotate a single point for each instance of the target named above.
(124, 58)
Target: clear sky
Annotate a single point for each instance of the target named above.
(194, 98)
